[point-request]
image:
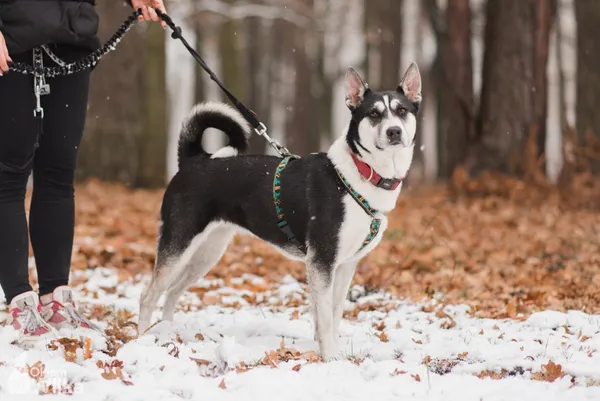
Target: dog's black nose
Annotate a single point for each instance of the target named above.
(394, 135)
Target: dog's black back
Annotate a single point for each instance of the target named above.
(208, 190)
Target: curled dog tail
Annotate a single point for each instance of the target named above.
(212, 115)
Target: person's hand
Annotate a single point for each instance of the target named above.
(4, 57)
(148, 7)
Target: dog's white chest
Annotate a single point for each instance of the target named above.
(354, 230)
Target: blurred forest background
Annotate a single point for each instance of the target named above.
(502, 206)
(510, 86)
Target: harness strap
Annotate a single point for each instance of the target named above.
(281, 220)
(364, 204)
(283, 224)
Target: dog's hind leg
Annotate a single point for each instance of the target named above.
(150, 296)
(171, 259)
(320, 281)
(174, 292)
(341, 284)
(207, 253)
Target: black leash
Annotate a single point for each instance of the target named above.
(248, 114)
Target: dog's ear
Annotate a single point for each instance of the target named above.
(355, 89)
(410, 85)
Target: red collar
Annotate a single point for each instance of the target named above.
(371, 175)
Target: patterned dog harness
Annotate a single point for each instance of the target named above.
(283, 224)
(281, 221)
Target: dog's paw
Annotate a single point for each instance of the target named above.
(331, 354)
(333, 358)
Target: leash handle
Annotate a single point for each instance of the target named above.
(248, 114)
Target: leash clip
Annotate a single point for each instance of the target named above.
(40, 86)
(39, 110)
(262, 130)
(279, 148)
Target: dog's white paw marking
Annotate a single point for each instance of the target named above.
(226, 151)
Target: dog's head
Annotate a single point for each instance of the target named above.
(383, 123)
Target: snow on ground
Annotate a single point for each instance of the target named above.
(254, 341)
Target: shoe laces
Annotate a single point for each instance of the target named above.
(73, 315)
(30, 318)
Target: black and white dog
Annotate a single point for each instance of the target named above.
(326, 209)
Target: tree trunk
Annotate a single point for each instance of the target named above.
(454, 70)
(587, 13)
(231, 59)
(111, 147)
(254, 56)
(390, 25)
(513, 95)
(301, 126)
(324, 97)
(153, 169)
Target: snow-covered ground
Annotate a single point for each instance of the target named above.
(254, 341)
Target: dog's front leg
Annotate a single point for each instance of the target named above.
(320, 281)
(341, 283)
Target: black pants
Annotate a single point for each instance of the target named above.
(51, 218)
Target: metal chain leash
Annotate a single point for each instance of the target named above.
(53, 56)
(87, 62)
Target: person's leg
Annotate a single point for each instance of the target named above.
(18, 133)
(52, 215)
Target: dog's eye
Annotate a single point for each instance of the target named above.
(400, 110)
(374, 114)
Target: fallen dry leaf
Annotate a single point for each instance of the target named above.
(379, 326)
(200, 362)
(69, 346)
(173, 349)
(550, 372)
(113, 370)
(87, 348)
(383, 337)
